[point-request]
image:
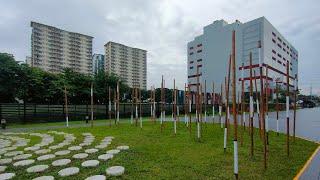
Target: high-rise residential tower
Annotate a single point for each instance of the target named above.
(209, 53)
(98, 62)
(53, 49)
(129, 63)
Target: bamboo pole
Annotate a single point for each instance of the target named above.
(228, 92)
(213, 103)
(91, 104)
(162, 105)
(267, 106)
(132, 97)
(277, 107)
(242, 104)
(136, 104)
(251, 107)
(205, 101)
(118, 103)
(220, 106)
(262, 116)
(235, 141)
(257, 102)
(66, 106)
(174, 107)
(287, 109)
(197, 105)
(295, 106)
(109, 106)
(190, 108)
(140, 107)
(185, 104)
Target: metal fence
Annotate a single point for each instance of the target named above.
(35, 113)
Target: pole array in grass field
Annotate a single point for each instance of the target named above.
(66, 106)
(234, 104)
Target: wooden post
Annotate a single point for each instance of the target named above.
(190, 107)
(109, 110)
(213, 102)
(118, 103)
(287, 109)
(162, 105)
(277, 107)
(66, 106)
(295, 106)
(91, 104)
(174, 107)
(185, 104)
(228, 92)
(262, 110)
(251, 107)
(235, 141)
(242, 104)
(205, 101)
(132, 100)
(266, 106)
(257, 101)
(197, 105)
(140, 107)
(220, 107)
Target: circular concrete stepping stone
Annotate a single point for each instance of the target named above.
(115, 171)
(105, 157)
(2, 151)
(10, 148)
(96, 177)
(68, 171)
(44, 178)
(61, 162)
(123, 147)
(24, 162)
(3, 168)
(90, 163)
(46, 157)
(22, 156)
(101, 146)
(5, 176)
(37, 168)
(5, 161)
(32, 148)
(61, 153)
(80, 156)
(91, 151)
(42, 151)
(74, 148)
(13, 153)
(113, 151)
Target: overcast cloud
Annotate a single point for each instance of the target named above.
(162, 27)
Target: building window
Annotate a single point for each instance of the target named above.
(273, 58)
(191, 48)
(274, 34)
(274, 52)
(279, 55)
(274, 41)
(199, 60)
(279, 39)
(199, 51)
(191, 67)
(284, 59)
(191, 62)
(279, 45)
(279, 62)
(199, 45)
(191, 53)
(284, 50)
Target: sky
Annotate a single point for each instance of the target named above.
(163, 28)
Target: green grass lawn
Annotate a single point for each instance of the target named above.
(156, 155)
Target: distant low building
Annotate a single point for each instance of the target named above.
(28, 60)
(98, 63)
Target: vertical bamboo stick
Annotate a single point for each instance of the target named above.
(213, 103)
(295, 105)
(66, 106)
(131, 118)
(190, 108)
(262, 110)
(174, 107)
(242, 104)
(257, 101)
(140, 107)
(266, 106)
(287, 109)
(197, 105)
(185, 104)
(220, 106)
(109, 106)
(251, 107)
(205, 101)
(118, 103)
(91, 104)
(277, 107)
(162, 105)
(235, 141)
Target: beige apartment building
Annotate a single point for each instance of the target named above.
(129, 63)
(53, 49)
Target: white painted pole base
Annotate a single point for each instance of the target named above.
(225, 139)
(164, 115)
(205, 116)
(244, 119)
(277, 125)
(235, 155)
(161, 117)
(67, 121)
(267, 123)
(131, 121)
(213, 113)
(118, 117)
(175, 126)
(198, 127)
(185, 119)
(140, 122)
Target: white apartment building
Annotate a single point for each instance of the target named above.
(209, 53)
(53, 49)
(129, 63)
(98, 63)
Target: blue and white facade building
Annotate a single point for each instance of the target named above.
(98, 63)
(209, 54)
